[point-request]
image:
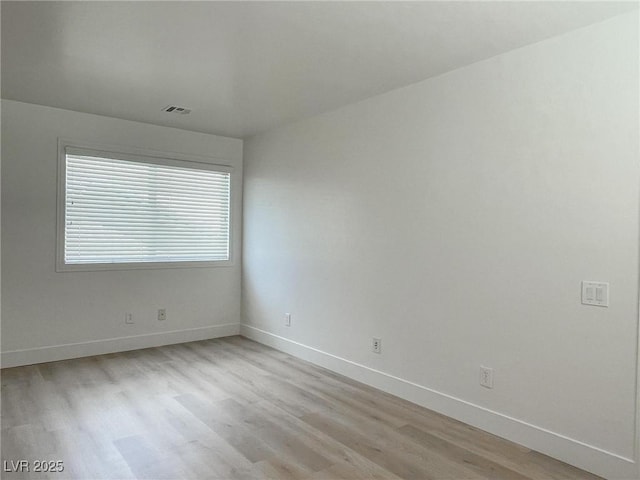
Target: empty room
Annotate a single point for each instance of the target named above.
(320, 240)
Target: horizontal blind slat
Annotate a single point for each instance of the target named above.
(175, 203)
(107, 164)
(85, 183)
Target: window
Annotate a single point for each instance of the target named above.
(119, 211)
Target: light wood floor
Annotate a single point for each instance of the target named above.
(234, 409)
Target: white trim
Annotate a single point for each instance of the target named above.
(52, 353)
(637, 359)
(143, 152)
(569, 450)
(140, 155)
(167, 159)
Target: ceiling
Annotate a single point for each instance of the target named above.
(247, 67)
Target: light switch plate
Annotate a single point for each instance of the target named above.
(595, 293)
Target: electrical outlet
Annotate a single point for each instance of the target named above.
(595, 293)
(486, 377)
(162, 314)
(128, 318)
(376, 345)
(287, 319)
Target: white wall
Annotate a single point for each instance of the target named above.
(455, 219)
(44, 311)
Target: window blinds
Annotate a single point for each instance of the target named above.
(121, 211)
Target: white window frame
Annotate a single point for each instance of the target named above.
(144, 156)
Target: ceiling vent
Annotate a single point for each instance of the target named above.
(176, 109)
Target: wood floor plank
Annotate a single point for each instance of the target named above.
(146, 461)
(234, 432)
(403, 458)
(461, 455)
(337, 453)
(281, 440)
(280, 469)
(233, 409)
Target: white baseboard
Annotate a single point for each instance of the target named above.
(29, 356)
(569, 450)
